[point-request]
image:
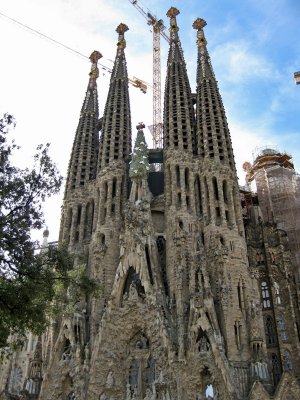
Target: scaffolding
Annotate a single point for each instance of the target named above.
(278, 192)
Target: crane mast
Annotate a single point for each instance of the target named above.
(158, 30)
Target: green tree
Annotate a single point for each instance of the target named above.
(29, 280)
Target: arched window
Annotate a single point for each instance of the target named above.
(225, 191)
(150, 371)
(270, 331)
(114, 187)
(215, 186)
(186, 179)
(287, 360)
(134, 376)
(198, 199)
(265, 295)
(282, 327)
(177, 175)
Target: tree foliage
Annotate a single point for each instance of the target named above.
(29, 280)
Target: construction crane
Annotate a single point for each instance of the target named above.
(158, 29)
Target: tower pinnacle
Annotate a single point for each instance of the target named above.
(121, 29)
(178, 110)
(115, 141)
(172, 13)
(94, 74)
(199, 24)
(83, 162)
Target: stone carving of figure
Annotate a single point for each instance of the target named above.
(110, 380)
(277, 294)
(87, 353)
(133, 294)
(203, 344)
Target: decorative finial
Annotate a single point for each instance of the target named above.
(172, 13)
(140, 126)
(199, 24)
(121, 29)
(94, 57)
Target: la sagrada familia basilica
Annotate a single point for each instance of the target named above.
(198, 290)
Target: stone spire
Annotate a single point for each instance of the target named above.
(83, 162)
(178, 107)
(115, 142)
(213, 135)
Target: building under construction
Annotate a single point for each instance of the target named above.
(278, 194)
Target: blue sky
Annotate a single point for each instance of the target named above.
(254, 47)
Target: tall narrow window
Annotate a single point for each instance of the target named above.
(287, 360)
(177, 175)
(186, 179)
(78, 214)
(215, 186)
(225, 192)
(134, 376)
(237, 332)
(270, 331)
(207, 197)
(276, 369)
(198, 199)
(239, 296)
(265, 295)
(114, 187)
(105, 191)
(148, 263)
(282, 327)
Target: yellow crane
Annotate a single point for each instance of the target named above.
(158, 30)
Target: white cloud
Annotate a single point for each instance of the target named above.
(237, 62)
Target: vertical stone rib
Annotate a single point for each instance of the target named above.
(83, 161)
(115, 142)
(213, 136)
(178, 108)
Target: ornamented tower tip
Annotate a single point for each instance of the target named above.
(140, 126)
(172, 13)
(199, 24)
(121, 29)
(94, 74)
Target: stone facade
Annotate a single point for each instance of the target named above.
(194, 302)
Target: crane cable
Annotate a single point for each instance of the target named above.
(135, 81)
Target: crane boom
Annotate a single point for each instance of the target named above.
(158, 30)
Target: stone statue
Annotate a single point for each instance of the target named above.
(277, 294)
(110, 380)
